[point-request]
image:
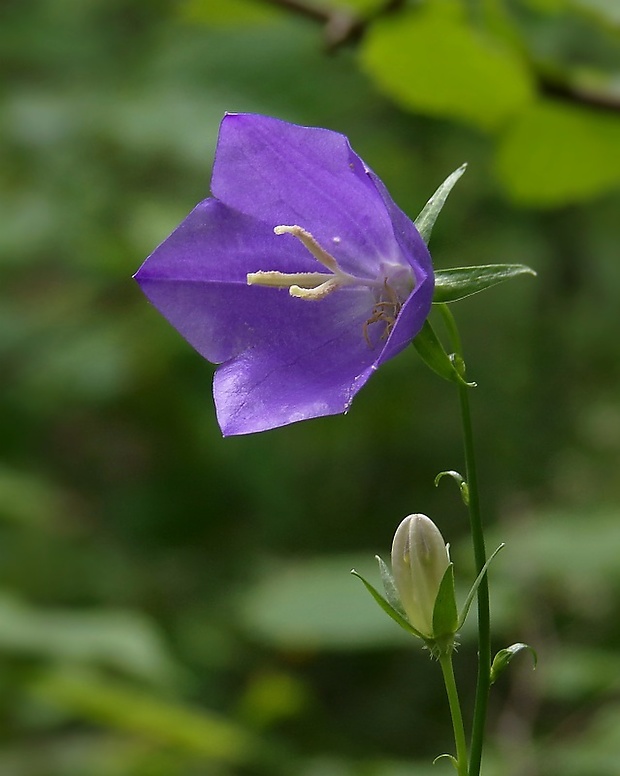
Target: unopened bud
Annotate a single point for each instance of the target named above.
(419, 561)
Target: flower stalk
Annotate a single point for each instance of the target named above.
(483, 682)
(445, 661)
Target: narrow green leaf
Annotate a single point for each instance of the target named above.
(460, 481)
(451, 757)
(460, 282)
(434, 356)
(445, 614)
(504, 657)
(426, 220)
(475, 586)
(391, 593)
(387, 608)
(125, 707)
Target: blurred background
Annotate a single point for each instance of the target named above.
(176, 604)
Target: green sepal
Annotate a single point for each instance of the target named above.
(460, 481)
(460, 282)
(426, 220)
(445, 614)
(388, 608)
(475, 586)
(391, 593)
(432, 352)
(504, 657)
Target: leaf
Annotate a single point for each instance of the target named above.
(429, 61)
(29, 499)
(554, 154)
(434, 356)
(504, 657)
(229, 13)
(450, 757)
(548, 6)
(426, 220)
(315, 604)
(475, 586)
(460, 481)
(387, 608)
(607, 11)
(445, 614)
(391, 593)
(123, 640)
(461, 282)
(123, 706)
(578, 671)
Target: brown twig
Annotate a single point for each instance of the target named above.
(342, 27)
(568, 93)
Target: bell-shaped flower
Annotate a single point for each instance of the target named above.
(299, 276)
(419, 562)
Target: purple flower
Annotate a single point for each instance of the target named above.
(299, 276)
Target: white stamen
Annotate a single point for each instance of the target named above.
(311, 286)
(326, 259)
(315, 294)
(286, 280)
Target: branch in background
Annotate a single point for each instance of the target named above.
(342, 27)
(591, 98)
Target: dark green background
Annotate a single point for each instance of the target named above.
(157, 581)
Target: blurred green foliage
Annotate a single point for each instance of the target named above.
(173, 604)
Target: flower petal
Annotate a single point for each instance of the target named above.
(418, 305)
(282, 173)
(197, 278)
(409, 239)
(286, 359)
(311, 366)
(409, 321)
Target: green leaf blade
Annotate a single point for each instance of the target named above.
(445, 614)
(475, 586)
(504, 657)
(387, 608)
(555, 154)
(432, 352)
(426, 220)
(452, 285)
(430, 61)
(391, 592)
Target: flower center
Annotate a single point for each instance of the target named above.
(306, 285)
(385, 311)
(390, 289)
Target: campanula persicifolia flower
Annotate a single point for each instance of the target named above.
(299, 276)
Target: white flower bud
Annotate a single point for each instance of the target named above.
(419, 561)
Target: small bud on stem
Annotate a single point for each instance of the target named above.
(419, 561)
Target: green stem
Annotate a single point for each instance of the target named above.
(477, 533)
(445, 661)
